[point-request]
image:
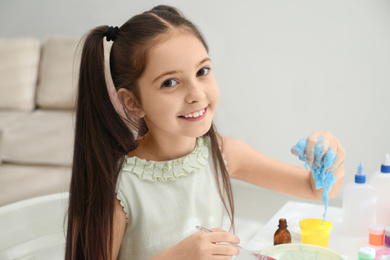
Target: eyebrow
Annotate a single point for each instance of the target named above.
(175, 71)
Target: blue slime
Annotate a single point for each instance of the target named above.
(319, 168)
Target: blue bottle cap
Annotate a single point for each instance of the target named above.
(385, 168)
(360, 177)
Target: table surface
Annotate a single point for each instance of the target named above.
(294, 212)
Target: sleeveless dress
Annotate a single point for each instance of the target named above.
(165, 200)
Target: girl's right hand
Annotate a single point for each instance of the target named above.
(204, 246)
(209, 245)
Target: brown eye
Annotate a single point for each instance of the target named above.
(169, 83)
(203, 72)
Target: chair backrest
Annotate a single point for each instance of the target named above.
(34, 228)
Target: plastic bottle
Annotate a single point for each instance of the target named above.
(381, 182)
(282, 235)
(359, 206)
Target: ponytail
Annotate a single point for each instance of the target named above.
(101, 141)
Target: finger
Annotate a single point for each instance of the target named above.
(299, 149)
(217, 229)
(311, 142)
(339, 154)
(329, 158)
(224, 237)
(220, 257)
(319, 151)
(226, 250)
(340, 158)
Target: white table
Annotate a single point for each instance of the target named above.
(294, 212)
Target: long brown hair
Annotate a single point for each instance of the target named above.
(103, 138)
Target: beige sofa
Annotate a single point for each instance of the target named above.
(37, 95)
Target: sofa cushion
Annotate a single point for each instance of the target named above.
(7, 117)
(19, 182)
(58, 73)
(42, 137)
(19, 65)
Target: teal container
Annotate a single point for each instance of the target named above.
(366, 253)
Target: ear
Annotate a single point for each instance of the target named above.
(130, 102)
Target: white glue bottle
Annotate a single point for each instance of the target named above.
(381, 182)
(359, 206)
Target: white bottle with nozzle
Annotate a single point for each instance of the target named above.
(359, 206)
(380, 180)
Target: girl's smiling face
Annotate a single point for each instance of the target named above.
(178, 92)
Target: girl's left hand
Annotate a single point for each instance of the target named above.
(316, 149)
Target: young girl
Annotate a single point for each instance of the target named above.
(142, 182)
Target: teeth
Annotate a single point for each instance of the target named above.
(195, 114)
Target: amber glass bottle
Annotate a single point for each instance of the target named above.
(282, 235)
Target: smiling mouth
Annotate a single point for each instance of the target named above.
(195, 114)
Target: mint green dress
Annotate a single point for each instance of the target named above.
(165, 200)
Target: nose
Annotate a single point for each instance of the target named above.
(194, 92)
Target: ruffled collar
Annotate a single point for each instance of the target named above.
(172, 169)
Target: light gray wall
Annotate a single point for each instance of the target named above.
(285, 68)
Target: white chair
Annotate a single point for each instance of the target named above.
(34, 228)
